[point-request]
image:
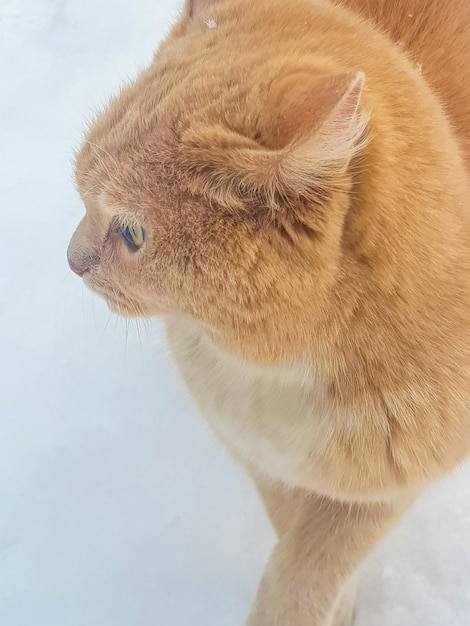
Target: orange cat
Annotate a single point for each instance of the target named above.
(287, 184)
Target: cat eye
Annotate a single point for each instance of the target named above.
(134, 236)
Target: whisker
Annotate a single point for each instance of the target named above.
(110, 315)
(127, 336)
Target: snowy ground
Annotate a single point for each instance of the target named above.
(117, 507)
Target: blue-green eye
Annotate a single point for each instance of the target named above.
(133, 235)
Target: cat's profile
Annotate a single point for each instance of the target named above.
(287, 185)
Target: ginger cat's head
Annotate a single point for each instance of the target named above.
(218, 185)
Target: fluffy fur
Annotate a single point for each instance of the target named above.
(301, 172)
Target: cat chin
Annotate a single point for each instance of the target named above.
(124, 310)
(119, 309)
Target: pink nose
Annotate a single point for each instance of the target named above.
(78, 268)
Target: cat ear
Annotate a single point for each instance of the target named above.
(303, 107)
(313, 132)
(194, 6)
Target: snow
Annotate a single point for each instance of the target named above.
(118, 507)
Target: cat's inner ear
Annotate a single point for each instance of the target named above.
(302, 107)
(309, 134)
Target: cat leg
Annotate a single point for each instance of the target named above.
(280, 502)
(309, 579)
(344, 610)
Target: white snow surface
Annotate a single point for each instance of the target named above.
(117, 505)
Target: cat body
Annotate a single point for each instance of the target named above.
(261, 413)
(287, 186)
(280, 420)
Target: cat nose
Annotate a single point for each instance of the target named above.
(76, 266)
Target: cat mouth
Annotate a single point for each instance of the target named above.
(115, 301)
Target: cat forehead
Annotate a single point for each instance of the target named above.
(117, 157)
(99, 205)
